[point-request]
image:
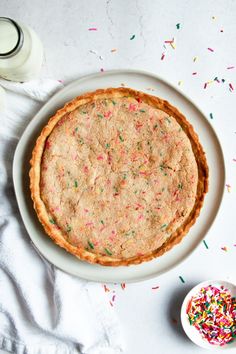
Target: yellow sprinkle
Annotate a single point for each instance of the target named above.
(195, 59)
(173, 45)
(213, 18)
(210, 82)
(180, 83)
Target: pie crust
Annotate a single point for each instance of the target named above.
(118, 177)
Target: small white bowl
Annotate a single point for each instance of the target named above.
(191, 331)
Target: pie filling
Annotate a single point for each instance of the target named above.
(118, 177)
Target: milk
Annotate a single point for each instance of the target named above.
(21, 51)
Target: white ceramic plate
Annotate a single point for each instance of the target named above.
(141, 81)
(191, 331)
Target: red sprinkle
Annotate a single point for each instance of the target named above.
(210, 49)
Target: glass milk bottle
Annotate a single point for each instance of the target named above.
(21, 51)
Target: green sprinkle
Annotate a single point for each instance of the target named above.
(178, 25)
(52, 221)
(125, 176)
(68, 228)
(121, 139)
(180, 185)
(76, 184)
(116, 189)
(182, 280)
(91, 245)
(162, 167)
(205, 244)
(102, 222)
(84, 112)
(108, 252)
(142, 110)
(132, 37)
(163, 189)
(168, 120)
(101, 190)
(100, 115)
(114, 103)
(107, 146)
(76, 129)
(81, 141)
(135, 192)
(163, 226)
(155, 126)
(211, 115)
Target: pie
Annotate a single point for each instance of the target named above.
(118, 177)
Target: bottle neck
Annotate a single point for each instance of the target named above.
(13, 34)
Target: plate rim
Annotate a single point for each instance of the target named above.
(78, 81)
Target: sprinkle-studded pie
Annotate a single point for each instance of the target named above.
(118, 177)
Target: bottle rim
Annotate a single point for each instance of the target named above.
(19, 42)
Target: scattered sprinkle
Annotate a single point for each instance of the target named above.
(132, 37)
(93, 29)
(211, 115)
(76, 184)
(155, 287)
(231, 87)
(121, 138)
(213, 18)
(195, 59)
(113, 50)
(210, 49)
(181, 278)
(52, 221)
(93, 51)
(162, 56)
(106, 288)
(205, 244)
(102, 70)
(224, 249)
(91, 245)
(178, 25)
(234, 160)
(123, 285)
(180, 83)
(195, 73)
(212, 312)
(108, 252)
(230, 67)
(228, 186)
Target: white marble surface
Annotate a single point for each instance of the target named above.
(146, 314)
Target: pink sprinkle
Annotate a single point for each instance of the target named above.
(231, 87)
(86, 210)
(195, 73)
(169, 41)
(100, 157)
(113, 298)
(93, 29)
(140, 217)
(163, 56)
(210, 49)
(205, 85)
(85, 169)
(230, 67)
(107, 114)
(102, 70)
(132, 107)
(234, 160)
(61, 81)
(89, 223)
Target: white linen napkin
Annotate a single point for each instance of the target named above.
(42, 309)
